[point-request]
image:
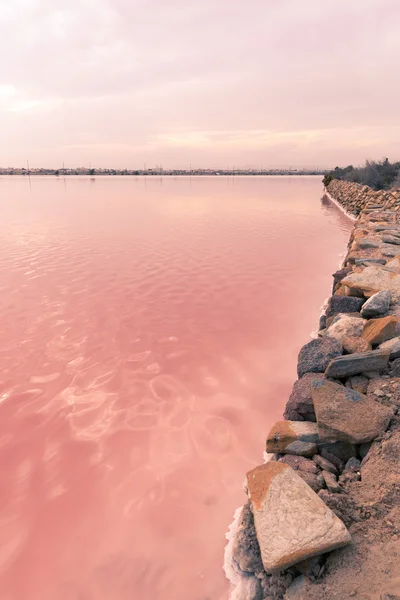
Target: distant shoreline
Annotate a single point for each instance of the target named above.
(108, 173)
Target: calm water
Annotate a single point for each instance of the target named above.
(149, 333)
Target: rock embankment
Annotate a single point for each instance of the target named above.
(322, 521)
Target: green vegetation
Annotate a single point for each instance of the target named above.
(379, 175)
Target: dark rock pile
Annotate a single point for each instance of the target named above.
(329, 476)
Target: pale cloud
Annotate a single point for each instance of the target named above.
(122, 82)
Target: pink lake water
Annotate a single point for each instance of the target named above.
(149, 334)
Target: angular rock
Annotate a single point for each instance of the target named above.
(353, 464)
(377, 331)
(390, 250)
(363, 243)
(246, 550)
(299, 463)
(300, 406)
(284, 434)
(343, 304)
(395, 368)
(393, 346)
(377, 305)
(391, 239)
(369, 281)
(354, 364)
(339, 275)
(346, 326)
(292, 523)
(339, 464)
(315, 481)
(325, 464)
(322, 322)
(346, 415)
(306, 449)
(315, 356)
(393, 265)
(353, 345)
(358, 383)
(331, 482)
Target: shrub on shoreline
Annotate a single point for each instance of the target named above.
(379, 175)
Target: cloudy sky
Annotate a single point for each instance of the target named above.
(273, 83)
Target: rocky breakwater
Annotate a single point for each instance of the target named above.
(322, 520)
(354, 197)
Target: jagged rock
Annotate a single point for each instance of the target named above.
(377, 305)
(369, 281)
(354, 364)
(343, 304)
(363, 243)
(246, 551)
(353, 464)
(325, 464)
(346, 327)
(291, 521)
(316, 482)
(342, 450)
(322, 322)
(299, 463)
(354, 345)
(344, 414)
(300, 406)
(284, 437)
(331, 482)
(315, 356)
(358, 383)
(306, 449)
(377, 331)
(391, 239)
(339, 275)
(393, 346)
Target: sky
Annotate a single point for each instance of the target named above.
(211, 83)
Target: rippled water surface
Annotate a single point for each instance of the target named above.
(149, 333)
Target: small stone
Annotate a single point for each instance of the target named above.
(299, 463)
(315, 356)
(344, 414)
(353, 345)
(354, 364)
(359, 383)
(332, 458)
(363, 243)
(284, 434)
(377, 331)
(343, 304)
(331, 482)
(292, 523)
(377, 305)
(316, 482)
(353, 464)
(325, 464)
(300, 406)
(322, 322)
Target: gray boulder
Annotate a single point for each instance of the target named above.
(343, 304)
(315, 356)
(377, 305)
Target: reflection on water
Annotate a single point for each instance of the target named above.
(149, 337)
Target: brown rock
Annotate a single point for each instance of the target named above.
(355, 344)
(377, 331)
(344, 414)
(284, 434)
(358, 383)
(300, 406)
(331, 482)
